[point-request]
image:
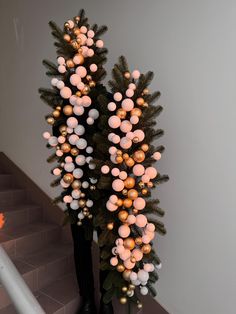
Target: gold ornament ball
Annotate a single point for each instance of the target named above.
(146, 91)
(75, 44)
(133, 259)
(82, 203)
(121, 113)
(135, 211)
(150, 184)
(86, 90)
(50, 120)
(129, 182)
(123, 215)
(62, 128)
(136, 112)
(124, 289)
(123, 300)
(67, 25)
(119, 152)
(82, 195)
(78, 41)
(76, 31)
(127, 75)
(129, 293)
(144, 191)
(129, 162)
(89, 78)
(124, 192)
(140, 101)
(129, 243)
(120, 268)
(127, 203)
(145, 147)
(92, 84)
(135, 139)
(138, 241)
(110, 226)
(132, 287)
(145, 104)
(141, 184)
(126, 274)
(68, 178)
(74, 151)
(125, 156)
(146, 248)
(70, 63)
(139, 306)
(68, 110)
(67, 37)
(119, 202)
(132, 194)
(78, 93)
(139, 156)
(90, 216)
(80, 58)
(58, 108)
(119, 159)
(65, 147)
(79, 223)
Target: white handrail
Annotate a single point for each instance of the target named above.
(23, 299)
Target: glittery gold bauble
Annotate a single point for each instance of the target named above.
(121, 113)
(150, 184)
(119, 159)
(50, 120)
(82, 203)
(123, 215)
(145, 147)
(62, 128)
(124, 289)
(86, 90)
(127, 75)
(127, 203)
(123, 300)
(92, 187)
(139, 306)
(70, 63)
(82, 195)
(110, 226)
(78, 40)
(139, 156)
(138, 241)
(74, 151)
(146, 248)
(124, 192)
(58, 108)
(129, 162)
(135, 211)
(68, 110)
(135, 139)
(120, 268)
(146, 91)
(89, 78)
(141, 184)
(125, 156)
(126, 274)
(67, 25)
(79, 58)
(75, 44)
(92, 84)
(66, 37)
(130, 293)
(133, 259)
(78, 93)
(129, 243)
(132, 194)
(65, 147)
(136, 112)
(68, 178)
(129, 182)
(132, 287)
(76, 31)
(140, 101)
(119, 152)
(119, 202)
(144, 191)
(85, 210)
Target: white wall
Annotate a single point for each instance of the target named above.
(191, 46)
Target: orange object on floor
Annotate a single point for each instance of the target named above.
(2, 221)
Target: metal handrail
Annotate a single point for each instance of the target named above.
(19, 293)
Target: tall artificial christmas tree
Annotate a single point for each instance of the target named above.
(125, 159)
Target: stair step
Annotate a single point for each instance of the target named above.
(22, 214)
(6, 181)
(12, 196)
(42, 268)
(29, 238)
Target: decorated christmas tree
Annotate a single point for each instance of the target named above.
(76, 84)
(125, 154)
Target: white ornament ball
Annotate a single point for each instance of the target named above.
(144, 290)
(143, 275)
(78, 110)
(60, 84)
(54, 81)
(85, 184)
(69, 167)
(93, 113)
(80, 160)
(52, 141)
(90, 121)
(89, 203)
(46, 135)
(74, 205)
(89, 149)
(81, 143)
(72, 122)
(79, 130)
(78, 173)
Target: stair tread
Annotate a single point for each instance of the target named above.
(19, 207)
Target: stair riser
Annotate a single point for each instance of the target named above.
(6, 181)
(8, 198)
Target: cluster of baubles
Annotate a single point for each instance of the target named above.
(131, 183)
(74, 85)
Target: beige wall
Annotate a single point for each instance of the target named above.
(191, 46)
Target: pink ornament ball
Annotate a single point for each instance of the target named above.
(59, 153)
(128, 264)
(90, 33)
(56, 172)
(77, 59)
(130, 135)
(119, 241)
(99, 43)
(90, 52)
(139, 203)
(65, 92)
(148, 267)
(141, 221)
(117, 96)
(151, 172)
(73, 139)
(116, 139)
(78, 110)
(112, 150)
(71, 24)
(89, 42)
(126, 126)
(145, 178)
(146, 239)
(123, 175)
(125, 143)
(54, 81)
(124, 231)
(120, 249)
(136, 74)
(115, 172)
(125, 254)
(134, 119)
(72, 100)
(113, 199)
(61, 69)
(72, 122)
(118, 185)
(46, 135)
(86, 101)
(137, 254)
(84, 51)
(150, 234)
(111, 106)
(81, 71)
(114, 261)
(67, 199)
(138, 170)
(110, 136)
(157, 156)
(93, 67)
(68, 159)
(83, 29)
(75, 79)
(105, 169)
(53, 141)
(127, 104)
(139, 134)
(61, 60)
(111, 207)
(132, 86)
(80, 85)
(69, 130)
(60, 84)
(129, 93)
(114, 122)
(131, 219)
(150, 227)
